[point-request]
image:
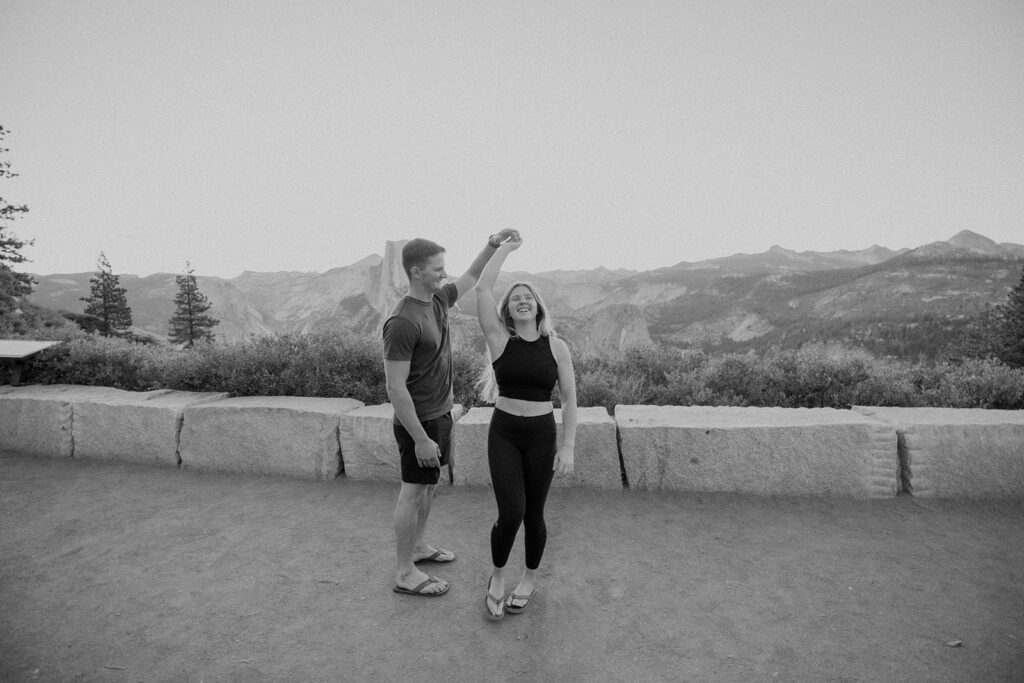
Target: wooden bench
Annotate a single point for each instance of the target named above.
(19, 350)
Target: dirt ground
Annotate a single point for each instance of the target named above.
(113, 572)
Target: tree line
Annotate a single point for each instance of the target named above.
(106, 308)
(14, 286)
(108, 313)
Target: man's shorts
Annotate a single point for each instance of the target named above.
(440, 430)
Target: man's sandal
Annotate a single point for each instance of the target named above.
(439, 555)
(419, 590)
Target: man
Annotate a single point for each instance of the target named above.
(418, 372)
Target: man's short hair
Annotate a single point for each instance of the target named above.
(417, 251)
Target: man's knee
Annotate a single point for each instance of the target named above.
(416, 494)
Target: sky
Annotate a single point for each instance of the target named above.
(303, 136)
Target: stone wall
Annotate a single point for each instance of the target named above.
(945, 452)
(266, 435)
(596, 455)
(867, 452)
(790, 451)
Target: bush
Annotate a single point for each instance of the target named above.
(96, 361)
(33, 322)
(326, 365)
(980, 384)
(813, 376)
(337, 364)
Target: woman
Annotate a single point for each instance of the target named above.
(522, 452)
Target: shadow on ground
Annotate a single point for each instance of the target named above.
(113, 572)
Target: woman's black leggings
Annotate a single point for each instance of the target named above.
(521, 454)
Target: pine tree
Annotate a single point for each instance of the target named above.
(190, 323)
(980, 337)
(13, 286)
(108, 301)
(1011, 339)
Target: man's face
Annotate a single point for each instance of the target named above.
(432, 274)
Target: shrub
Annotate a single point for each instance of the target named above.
(596, 388)
(815, 376)
(33, 322)
(726, 379)
(97, 361)
(980, 384)
(337, 364)
(890, 385)
(466, 366)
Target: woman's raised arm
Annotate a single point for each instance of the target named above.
(486, 307)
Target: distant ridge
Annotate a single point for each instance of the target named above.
(890, 302)
(779, 259)
(967, 244)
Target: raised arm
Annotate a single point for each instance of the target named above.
(468, 279)
(486, 308)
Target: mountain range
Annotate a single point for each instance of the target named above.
(897, 303)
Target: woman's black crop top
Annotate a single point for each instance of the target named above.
(526, 370)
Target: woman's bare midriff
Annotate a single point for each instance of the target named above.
(522, 408)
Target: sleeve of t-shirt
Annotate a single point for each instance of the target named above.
(449, 294)
(399, 339)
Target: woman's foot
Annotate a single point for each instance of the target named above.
(519, 598)
(495, 602)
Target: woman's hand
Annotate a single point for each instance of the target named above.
(564, 459)
(513, 242)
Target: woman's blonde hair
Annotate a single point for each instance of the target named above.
(487, 383)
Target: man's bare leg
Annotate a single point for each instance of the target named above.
(411, 513)
(421, 520)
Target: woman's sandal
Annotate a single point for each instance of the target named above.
(498, 613)
(525, 599)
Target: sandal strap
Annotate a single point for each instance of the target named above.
(499, 602)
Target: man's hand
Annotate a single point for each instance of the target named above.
(504, 236)
(428, 453)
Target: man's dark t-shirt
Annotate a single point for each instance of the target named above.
(417, 331)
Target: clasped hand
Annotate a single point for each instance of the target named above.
(509, 237)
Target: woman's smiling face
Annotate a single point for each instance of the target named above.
(522, 305)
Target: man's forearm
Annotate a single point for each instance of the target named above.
(476, 268)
